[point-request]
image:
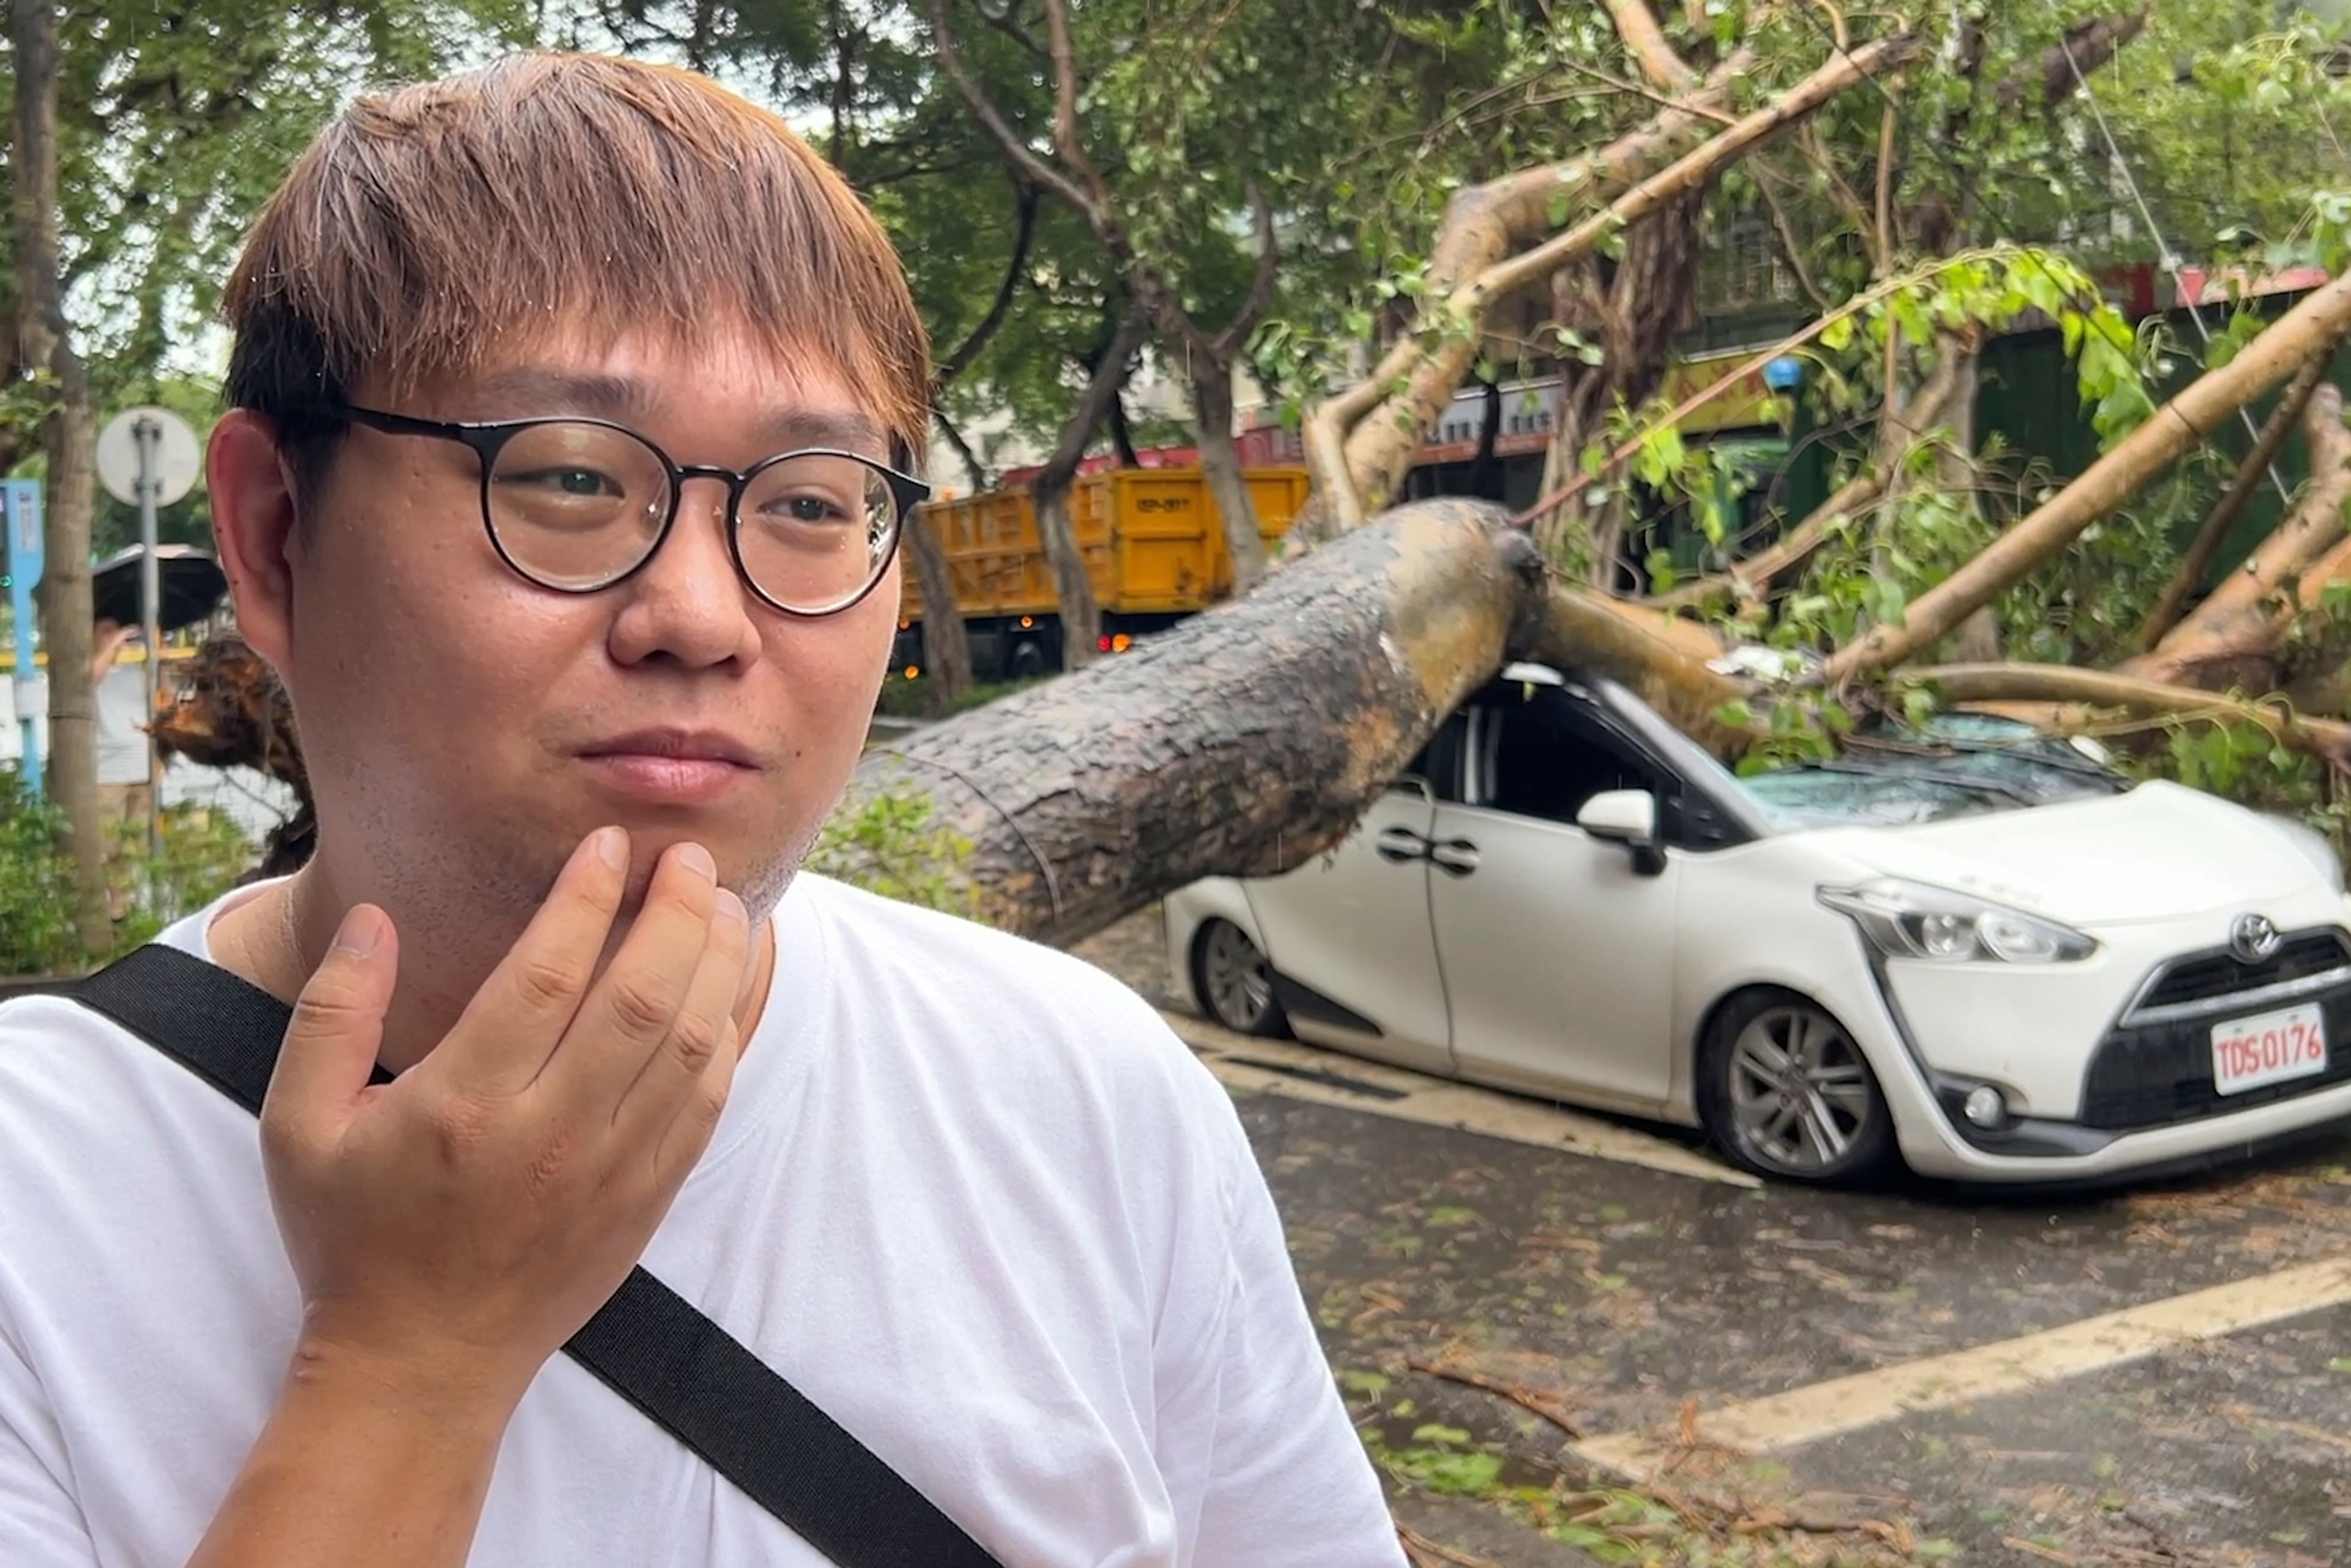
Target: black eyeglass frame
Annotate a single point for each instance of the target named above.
(488, 437)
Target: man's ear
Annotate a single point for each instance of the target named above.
(251, 487)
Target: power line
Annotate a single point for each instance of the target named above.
(2026, 252)
(2168, 257)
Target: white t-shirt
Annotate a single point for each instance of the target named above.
(969, 1194)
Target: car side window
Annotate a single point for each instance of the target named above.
(1546, 760)
(1438, 764)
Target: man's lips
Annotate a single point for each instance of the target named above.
(673, 768)
(684, 745)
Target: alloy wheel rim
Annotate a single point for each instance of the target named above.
(1241, 983)
(1800, 1093)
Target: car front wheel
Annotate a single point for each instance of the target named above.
(1785, 1091)
(1235, 982)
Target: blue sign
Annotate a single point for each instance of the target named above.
(27, 559)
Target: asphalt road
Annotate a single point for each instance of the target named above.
(1541, 1344)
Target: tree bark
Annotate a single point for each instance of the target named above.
(1049, 494)
(46, 339)
(2247, 615)
(2322, 319)
(1751, 578)
(1244, 742)
(1360, 442)
(1629, 308)
(1373, 434)
(1220, 467)
(2231, 506)
(2072, 695)
(946, 648)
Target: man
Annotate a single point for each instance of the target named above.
(125, 788)
(581, 660)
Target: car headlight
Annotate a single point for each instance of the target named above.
(2315, 847)
(1912, 920)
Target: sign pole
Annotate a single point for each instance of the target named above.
(149, 434)
(27, 557)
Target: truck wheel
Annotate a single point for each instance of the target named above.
(1029, 661)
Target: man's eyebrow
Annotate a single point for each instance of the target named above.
(517, 391)
(843, 429)
(520, 392)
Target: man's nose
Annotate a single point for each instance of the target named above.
(689, 603)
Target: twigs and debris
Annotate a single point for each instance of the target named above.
(1424, 1551)
(1546, 1406)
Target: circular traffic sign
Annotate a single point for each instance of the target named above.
(177, 458)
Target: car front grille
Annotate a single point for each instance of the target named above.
(2207, 977)
(2154, 1067)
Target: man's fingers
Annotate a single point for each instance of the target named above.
(337, 1030)
(513, 1023)
(702, 1031)
(629, 1014)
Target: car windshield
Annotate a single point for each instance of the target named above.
(1953, 764)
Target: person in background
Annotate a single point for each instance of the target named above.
(126, 789)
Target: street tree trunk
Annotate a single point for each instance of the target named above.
(1049, 493)
(1627, 308)
(947, 649)
(46, 340)
(1220, 466)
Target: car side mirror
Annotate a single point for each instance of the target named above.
(1627, 817)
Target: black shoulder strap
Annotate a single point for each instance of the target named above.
(648, 1344)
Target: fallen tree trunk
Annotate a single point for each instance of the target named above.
(2063, 700)
(1243, 742)
(2323, 319)
(2226, 514)
(2247, 615)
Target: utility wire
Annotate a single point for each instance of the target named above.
(2026, 252)
(2169, 257)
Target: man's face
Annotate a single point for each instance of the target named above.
(469, 727)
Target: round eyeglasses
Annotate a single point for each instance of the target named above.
(578, 505)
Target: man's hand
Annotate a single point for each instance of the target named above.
(453, 1229)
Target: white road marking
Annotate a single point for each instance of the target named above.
(1841, 1404)
(1242, 1063)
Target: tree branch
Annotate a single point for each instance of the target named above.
(2329, 739)
(2232, 506)
(1694, 169)
(1749, 578)
(1066, 137)
(973, 467)
(1023, 157)
(1646, 41)
(1005, 23)
(1260, 294)
(2247, 614)
(2086, 47)
(1025, 197)
(1790, 245)
(2323, 318)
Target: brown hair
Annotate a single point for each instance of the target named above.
(428, 225)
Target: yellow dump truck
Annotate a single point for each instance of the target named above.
(1154, 549)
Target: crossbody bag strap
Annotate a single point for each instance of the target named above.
(651, 1346)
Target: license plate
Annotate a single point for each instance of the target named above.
(2268, 1047)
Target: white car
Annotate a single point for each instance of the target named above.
(1970, 943)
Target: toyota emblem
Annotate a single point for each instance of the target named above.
(2255, 938)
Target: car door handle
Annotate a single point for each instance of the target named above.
(1458, 856)
(1401, 846)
